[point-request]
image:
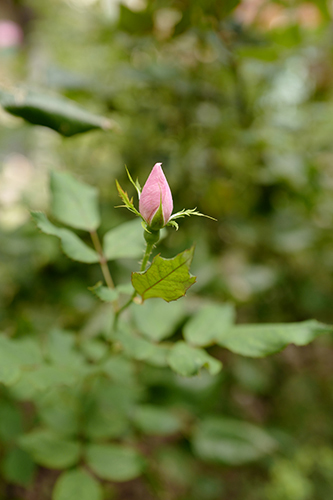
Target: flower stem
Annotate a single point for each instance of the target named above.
(148, 251)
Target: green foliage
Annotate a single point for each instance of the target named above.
(168, 279)
(71, 244)
(18, 467)
(187, 360)
(55, 112)
(230, 441)
(124, 241)
(77, 483)
(210, 325)
(50, 450)
(73, 202)
(156, 421)
(157, 320)
(262, 340)
(235, 100)
(114, 462)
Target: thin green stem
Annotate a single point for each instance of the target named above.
(104, 265)
(148, 251)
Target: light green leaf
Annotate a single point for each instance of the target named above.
(209, 324)
(50, 450)
(134, 346)
(71, 244)
(28, 351)
(120, 369)
(141, 349)
(156, 421)
(55, 112)
(17, 354)
(77, 485)
(104, 423)
(59, 410)
(261, 340)
(47, 376)
(61, 349)
(168, 279)
(104, 293)
(157, 319)
(73, 202)
(9, 362)
(114, 462)
(231, 442)
(125, 241)
(187, 360)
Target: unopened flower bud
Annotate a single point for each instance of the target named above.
(155, 203)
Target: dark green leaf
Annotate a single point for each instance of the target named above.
(168, 279)
(135, 22)
(71, 244)
(187, 360)
(56, 112)
(18, 467)
(261, 340)
(73, 202)
(10, 422)
(114, 462)
(77, 484)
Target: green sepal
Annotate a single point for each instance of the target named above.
(188, 212)
(128, 202)
(136, 184)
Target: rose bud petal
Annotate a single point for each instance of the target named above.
(155, 203)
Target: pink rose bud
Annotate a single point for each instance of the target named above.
(155, 203)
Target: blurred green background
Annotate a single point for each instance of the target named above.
(235, 99)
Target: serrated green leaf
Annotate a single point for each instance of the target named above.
(157, 319)
(156, 421)
(55, 112)
(104, 293)
(50, 450)
(168, 279)
(114, 462)
(261, 340)
(73, 202)
(77, 484)
(231, 442)
(188, 361)
(124, 241)
(211, 323)
(71, 244)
